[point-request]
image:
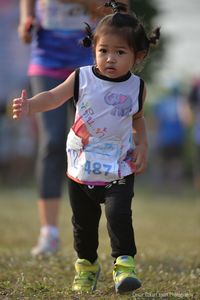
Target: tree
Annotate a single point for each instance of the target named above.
(147, 11)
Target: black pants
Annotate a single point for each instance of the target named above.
(86, 207)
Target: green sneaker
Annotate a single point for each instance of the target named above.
(87, 275)
(124, 275)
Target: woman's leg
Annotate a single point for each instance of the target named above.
(51, 165)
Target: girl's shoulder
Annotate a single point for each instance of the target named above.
(134, 76)
(85, 68)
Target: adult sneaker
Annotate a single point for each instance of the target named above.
(47, 245)
(87, 275)
(124, 275)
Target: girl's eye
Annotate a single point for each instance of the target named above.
(120, 52)
(102, 50)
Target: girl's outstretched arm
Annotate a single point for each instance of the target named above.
(43, 101)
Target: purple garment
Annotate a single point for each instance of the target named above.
(56, 51)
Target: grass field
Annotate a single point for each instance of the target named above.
(167, 227)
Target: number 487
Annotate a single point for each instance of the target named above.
(97, 168)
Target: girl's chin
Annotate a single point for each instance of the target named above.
(111, 73)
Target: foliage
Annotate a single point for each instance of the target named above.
(148, 11)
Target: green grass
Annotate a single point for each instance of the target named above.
(167, 227)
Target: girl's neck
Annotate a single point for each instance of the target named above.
(117, 79)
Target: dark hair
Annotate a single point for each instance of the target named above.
(127, 25)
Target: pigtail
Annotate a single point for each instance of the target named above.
(155, 37)
(117, 7)
(87, 40)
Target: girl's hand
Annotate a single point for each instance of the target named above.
(20, 106)
(140, 158)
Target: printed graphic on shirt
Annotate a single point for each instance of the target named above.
(97, 162)
(122, 104)
(81, 130)
(90, 159)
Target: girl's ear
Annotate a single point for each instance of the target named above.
(140, 57)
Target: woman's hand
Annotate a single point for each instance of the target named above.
(26, 29)
(20, 106)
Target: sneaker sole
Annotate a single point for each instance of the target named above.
(35, 252)
(127, 285)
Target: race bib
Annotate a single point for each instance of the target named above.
(58, 15)
(97, 162)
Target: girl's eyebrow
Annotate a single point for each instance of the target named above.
(106, 45)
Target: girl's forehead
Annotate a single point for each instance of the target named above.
(111, 39)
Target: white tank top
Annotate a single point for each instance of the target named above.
(100, 144)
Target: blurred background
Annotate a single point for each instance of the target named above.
(172, 75)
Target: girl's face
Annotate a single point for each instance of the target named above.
(114, 58)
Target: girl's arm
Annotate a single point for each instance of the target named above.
(44, 101)
(140, 133)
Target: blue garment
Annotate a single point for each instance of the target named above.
(60, 49)
(57, 43)
(171, 130)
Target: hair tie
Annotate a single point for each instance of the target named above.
(87, 40)
(155, 37)
(117, 7)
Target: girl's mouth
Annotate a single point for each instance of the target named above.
(110, 69)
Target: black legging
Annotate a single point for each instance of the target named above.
(86, 207)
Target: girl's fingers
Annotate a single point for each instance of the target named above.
(15, 101)
(15, 114)
(17, 105)
(23, 95)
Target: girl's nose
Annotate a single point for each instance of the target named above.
(110, 58)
